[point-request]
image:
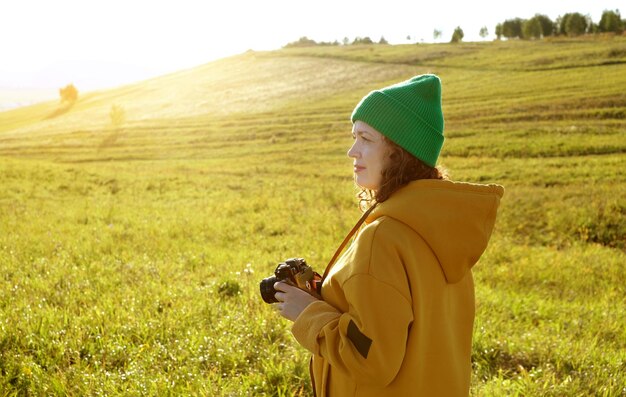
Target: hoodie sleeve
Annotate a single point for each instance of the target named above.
(368, 342)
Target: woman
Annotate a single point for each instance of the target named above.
(397, 308)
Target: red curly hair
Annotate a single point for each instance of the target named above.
(402, 168)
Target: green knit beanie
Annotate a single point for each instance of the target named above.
(409, 113)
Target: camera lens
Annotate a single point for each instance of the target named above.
(267, 289)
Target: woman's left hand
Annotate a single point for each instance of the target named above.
(291, 300)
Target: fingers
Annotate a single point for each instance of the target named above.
(281, 289)
(285, 290)
(280, 296)
(282, 286)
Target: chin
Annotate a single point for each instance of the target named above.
(366, 185)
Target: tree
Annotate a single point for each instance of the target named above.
(573, 24)
(69, 93)
(611, 21)
(436, 34)
(484, 32)
(512, 28)
(547, 26)
(302, 42)
(364, 40)
(118, 116)
(457, 36)
(531, 29)
(382, 40)
(499, 31)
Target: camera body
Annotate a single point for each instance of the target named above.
(294, 271)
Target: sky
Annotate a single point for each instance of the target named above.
(100, 44)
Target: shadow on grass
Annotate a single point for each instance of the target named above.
(493, 361)
(110, 139)
(63, 108)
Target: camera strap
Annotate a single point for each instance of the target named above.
(345, 241)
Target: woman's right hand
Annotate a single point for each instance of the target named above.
(292, 300)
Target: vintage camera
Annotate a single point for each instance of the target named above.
(294, 271)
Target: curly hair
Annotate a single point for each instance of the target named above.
(402, 168)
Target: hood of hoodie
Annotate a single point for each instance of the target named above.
(454, 218)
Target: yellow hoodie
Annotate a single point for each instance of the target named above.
(398, 308)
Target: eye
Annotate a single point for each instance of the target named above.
(361, 136)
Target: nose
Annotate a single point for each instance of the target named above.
(353, 152)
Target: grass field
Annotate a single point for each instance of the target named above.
(130, 255)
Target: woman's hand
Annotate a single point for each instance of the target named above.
(291, 300)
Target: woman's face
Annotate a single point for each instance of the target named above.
(370, 153)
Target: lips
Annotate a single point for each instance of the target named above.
(358, 168)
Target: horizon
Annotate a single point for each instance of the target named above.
(104, 45)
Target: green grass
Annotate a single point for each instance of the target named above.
(130, 258)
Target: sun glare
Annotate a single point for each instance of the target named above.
(103, 44)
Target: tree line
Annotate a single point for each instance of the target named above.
(304, 41)
(539, 26)
(570, 24)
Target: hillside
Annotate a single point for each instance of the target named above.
(131, 254)
(567, 85)
(11, 98)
